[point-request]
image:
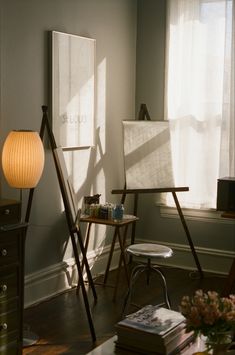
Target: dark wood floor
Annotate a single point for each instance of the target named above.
(61, 322)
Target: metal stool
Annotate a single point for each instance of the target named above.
(151, 252)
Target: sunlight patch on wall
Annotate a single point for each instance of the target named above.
(100, 117)
(85, 167)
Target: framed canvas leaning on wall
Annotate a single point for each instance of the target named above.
(72, 89)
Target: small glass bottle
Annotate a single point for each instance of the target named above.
(118, 212)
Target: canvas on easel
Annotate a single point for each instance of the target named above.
(147, 154)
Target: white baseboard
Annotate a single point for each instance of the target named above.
(211, 260)
(57, 278)
(51, 281)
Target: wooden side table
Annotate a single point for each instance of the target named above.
(118, 226)
(230, 281)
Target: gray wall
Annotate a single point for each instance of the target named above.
(150, 55)
(25, 87)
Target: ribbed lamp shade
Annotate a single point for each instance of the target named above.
(23, 159)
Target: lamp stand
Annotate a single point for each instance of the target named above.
(29, 338)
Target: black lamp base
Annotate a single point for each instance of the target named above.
(29, 338)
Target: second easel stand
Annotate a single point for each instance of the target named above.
(144, 115)
(74, 232)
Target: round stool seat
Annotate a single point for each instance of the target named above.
(150, 250)
(147, 252)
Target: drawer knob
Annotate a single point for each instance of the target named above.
(3, 326)
(3, 288)
(7, 211)
(4, 252)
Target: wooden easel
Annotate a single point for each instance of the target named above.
(144, 114)
(230, 281)
(72, 225)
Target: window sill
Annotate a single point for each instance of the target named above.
(195, 214)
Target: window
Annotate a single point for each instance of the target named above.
(199, 96)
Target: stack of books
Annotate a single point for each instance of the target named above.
(153, 330)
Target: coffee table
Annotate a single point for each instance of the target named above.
(109, 348)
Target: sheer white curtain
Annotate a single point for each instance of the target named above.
(199, 96)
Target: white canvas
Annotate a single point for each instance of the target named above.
(147, 154)
(73, 90)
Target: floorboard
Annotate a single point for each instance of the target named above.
(61, 322)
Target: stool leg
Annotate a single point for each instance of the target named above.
(148, 270)
(134, 274)
(163, 280)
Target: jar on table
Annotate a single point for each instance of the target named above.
(118, 212)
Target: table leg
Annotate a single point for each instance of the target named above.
(121, 258)
(122, 250)
(110, 255)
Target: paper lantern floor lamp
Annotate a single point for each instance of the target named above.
(23, 159)
(22, 164)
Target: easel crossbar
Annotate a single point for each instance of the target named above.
(150, 190)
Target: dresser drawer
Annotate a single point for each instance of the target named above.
(9, 328)
(12, 348)
(8, 283)
(10, 211)
(9, 247)
(7, 306)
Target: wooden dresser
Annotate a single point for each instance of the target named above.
(12, 243)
